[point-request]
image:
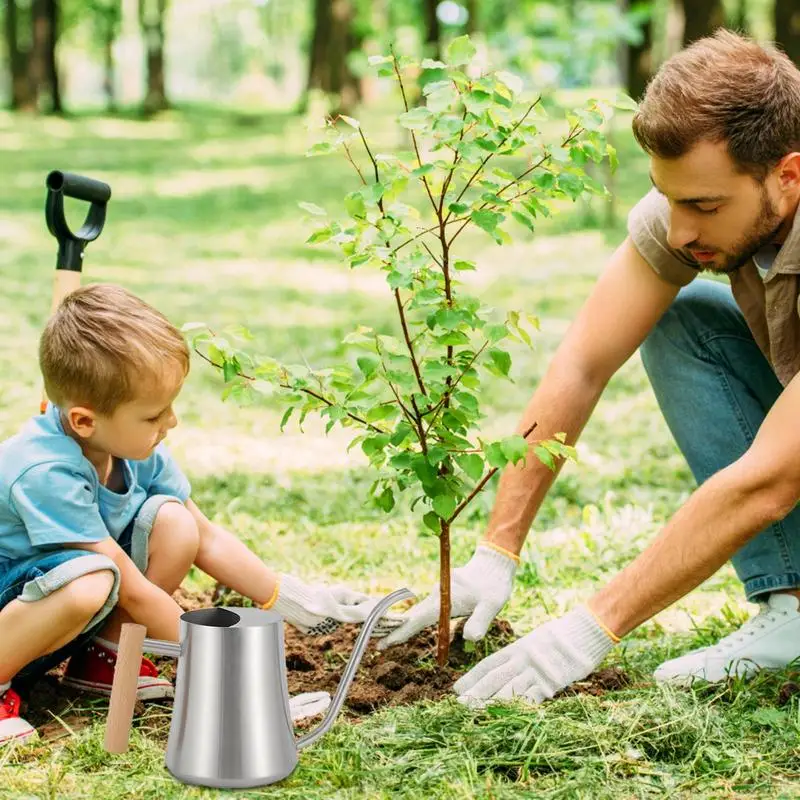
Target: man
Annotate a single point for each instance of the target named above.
(721, 124)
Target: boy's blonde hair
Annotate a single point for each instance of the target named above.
(102, 344)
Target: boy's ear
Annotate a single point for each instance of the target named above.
(81, 420)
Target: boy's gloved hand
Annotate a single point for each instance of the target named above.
(318, 609)
(308, 704)
(479, 590)
(540, 664)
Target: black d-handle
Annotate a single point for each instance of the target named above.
(71, 245)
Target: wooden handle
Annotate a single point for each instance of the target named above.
(66, 281)
(123, 690)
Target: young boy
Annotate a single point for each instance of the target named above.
(97, 524)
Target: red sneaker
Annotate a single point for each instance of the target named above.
(12, 727)
(93, 671)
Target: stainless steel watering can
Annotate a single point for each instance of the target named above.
(231, 727)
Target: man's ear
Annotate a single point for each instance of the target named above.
(789, 174)
(81, 421)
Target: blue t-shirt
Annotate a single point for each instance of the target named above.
(50, 493)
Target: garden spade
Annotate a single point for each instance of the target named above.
(69, 260)
(231, 725)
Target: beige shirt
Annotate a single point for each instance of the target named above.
(770, 305)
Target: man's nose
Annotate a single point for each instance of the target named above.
(681, 231)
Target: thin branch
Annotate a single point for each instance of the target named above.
(431, 253)
(483, 481)
(489, 155)
(413, 136)
(410, 346)
(309, 392)
(427, 230)
(351, 160)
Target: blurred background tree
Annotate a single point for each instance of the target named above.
(147, 54)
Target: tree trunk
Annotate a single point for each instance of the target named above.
(472, 20)
(332, 41)
(702, 18)
(43, 65)
(21, 91)
(151, 21)
(109, 19)
(443, 640)
(787, 28)
(636, 60)
(433, 45)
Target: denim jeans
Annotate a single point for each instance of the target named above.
(714, 387)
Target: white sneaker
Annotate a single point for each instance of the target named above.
(770, 640)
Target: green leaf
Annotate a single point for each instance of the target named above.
(385, 499)
(513, 82)
(613, 161)
(381, 412)
(353, 123)
(495, 455)
(437, 371)
(416, 119)
(375, 60)
(368, 365)
(472, 464)
(515, 448)
(313, 209)
(444, 505)
(463, 266)
(460, 51)
(501, 360)
(429, 63)
(545, 456)
(230, 369)
(188, 327)
(423, 470)
(453, 338)
(487, 220)
(263, 387)
(477, 102)
(423, 170)
(458, 208)
(320, 235)
(320, 149)
(570, 184)
(354, 203)
(286, 416)
(431, 521)
(524, 219)
(374, 444)
(625, 103)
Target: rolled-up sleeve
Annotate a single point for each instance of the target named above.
(648, 226)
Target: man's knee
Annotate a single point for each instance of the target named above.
(87, 594)
(175, 524)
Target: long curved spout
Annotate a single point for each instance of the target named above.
(352, 665)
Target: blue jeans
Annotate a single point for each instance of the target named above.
(714, 387)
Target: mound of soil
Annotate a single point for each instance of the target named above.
(401, 675)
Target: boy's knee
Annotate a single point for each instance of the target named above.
(87, 594)
(180, 528)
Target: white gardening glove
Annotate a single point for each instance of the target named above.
(318, 609)
(479, 590)
(540, 664)
(308, 704)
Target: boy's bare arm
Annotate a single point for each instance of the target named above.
(227, 559)
(148, 604)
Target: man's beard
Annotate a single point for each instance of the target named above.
(764, 231)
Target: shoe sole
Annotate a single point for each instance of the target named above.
(153, 691)
(19, 737)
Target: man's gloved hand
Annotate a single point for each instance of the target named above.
(540, 664)
(308, 704)
(318, 609)
(479, 590)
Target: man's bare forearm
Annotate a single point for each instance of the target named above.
(563, 402)
(717, 520)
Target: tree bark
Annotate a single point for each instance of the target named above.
(151, 21)
(787, 28)
(702, 18)
(43, 65)
(636, 60)
(443, 638)
(739, 19)
(472, 20)
(332, 41)
(433, 44)
(109, 19)
(21, 91)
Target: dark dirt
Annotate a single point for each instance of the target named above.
(404, 674)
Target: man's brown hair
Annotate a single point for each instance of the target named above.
(104, 345)
(727, 88)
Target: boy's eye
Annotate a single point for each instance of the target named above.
(712, 210)
(154, 419)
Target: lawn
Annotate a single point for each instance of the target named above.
(204, 224)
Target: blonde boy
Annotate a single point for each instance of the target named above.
(97, 524)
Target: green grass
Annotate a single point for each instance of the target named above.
(204, 225)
